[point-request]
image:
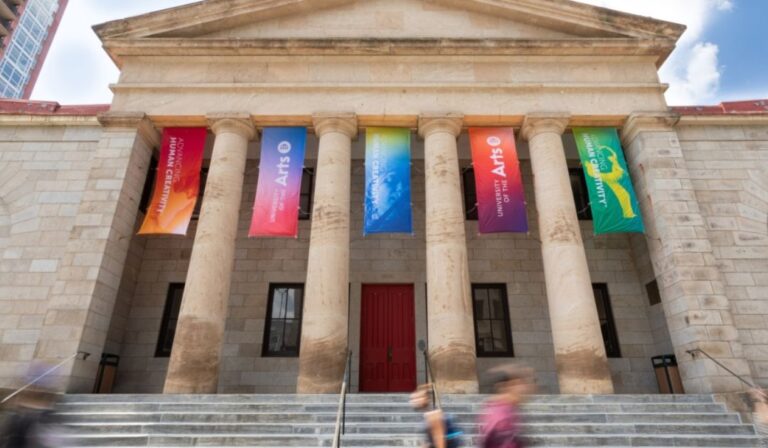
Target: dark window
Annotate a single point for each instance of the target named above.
(580, 194)
(607, 324)
(200, 193)
(149, 186)
(491, 313)
(470, 194)
(654, 295)
(170, 317)
(282, 330)
(305, 199)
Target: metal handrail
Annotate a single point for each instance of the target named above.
(341, 414)
(431, 379)
(698, 350)
(46, 373)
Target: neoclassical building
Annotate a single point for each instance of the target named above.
(215, 311)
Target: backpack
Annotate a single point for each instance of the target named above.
(452, 433)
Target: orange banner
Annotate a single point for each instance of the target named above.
(177, 183)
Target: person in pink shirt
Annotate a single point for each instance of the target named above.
(501, 423)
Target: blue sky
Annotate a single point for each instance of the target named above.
(722, 56)
(743, 43)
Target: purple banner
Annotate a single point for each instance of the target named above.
(500, 196)
(276, 209)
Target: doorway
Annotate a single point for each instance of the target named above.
(387, 339)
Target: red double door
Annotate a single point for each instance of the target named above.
(387, 339)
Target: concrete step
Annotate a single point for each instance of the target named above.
(153, 428)
(379, 420)
(373, 398)
(405, 440)
(411, 417)
(387, 407)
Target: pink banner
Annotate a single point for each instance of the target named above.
(276, 209)
(500, 196)
(177, 183)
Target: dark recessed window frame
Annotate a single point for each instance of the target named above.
(607, 322)
(200, 193)
(170, 319)
(507, 327)
(266, 351)
(469, 188)
(580, 193)
(307, 194)
(654, 295)
(149, 186)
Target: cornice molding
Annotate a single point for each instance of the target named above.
(724, 120)
(659, 49)
(49, 120)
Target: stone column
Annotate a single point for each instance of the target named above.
(449, 298)
(326, 298)
(196, 354)
(691, 284)
(90, 269)
(582, 365)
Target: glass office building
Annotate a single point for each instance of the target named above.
(27, 27)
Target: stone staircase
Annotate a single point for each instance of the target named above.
(386, 420)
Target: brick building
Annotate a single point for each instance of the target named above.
(276, 315)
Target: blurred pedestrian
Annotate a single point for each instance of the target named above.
(29, 421)
(760, 413)
(501, 423)
(440, 429)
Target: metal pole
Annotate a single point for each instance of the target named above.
(46, 373)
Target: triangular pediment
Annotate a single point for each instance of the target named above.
(410, 18)
(391, 19)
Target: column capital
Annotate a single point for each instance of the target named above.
(341, 122)
(540, 122)
(239, 123)
(450, 122)
(132, 120)
(647, 122)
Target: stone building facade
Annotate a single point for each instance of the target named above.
(76, 277)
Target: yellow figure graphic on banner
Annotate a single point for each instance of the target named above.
(613, 179)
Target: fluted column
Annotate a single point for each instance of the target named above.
(451, 330)
(196, 354)
(582, 365)
(326, 298)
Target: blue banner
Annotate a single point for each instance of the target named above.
(388, 181)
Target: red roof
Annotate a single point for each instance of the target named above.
(731, 108)
(26, 107)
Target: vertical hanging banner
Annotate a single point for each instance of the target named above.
(611, 195)
(276, 208)
(177, 183)
(388, 181)
(498, 182)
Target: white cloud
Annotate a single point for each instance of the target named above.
(701, 80)
(78, 71)
(693, 71)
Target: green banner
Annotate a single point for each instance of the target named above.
(612, 198)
